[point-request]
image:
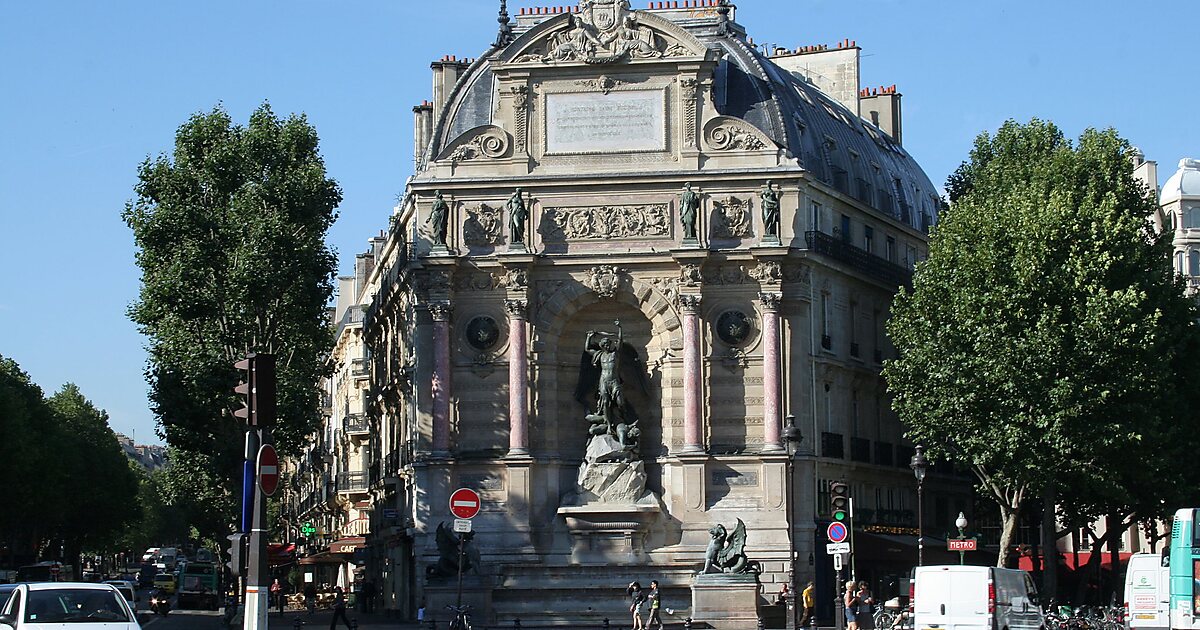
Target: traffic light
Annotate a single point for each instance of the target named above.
(237, 554)
(257, 389)
(839, 501)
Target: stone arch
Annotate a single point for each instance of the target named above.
(553, 314)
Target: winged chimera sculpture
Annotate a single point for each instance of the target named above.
(607, 364)
(447, 564)
(726, 552)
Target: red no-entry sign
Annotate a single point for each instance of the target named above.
(268, 470)
(464, 503)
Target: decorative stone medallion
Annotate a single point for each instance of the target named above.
(731, 218)
(482, 332)
(604, 280)
(733, 327)
(482, 226)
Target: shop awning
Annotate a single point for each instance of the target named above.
(323, 558)
(281, 553)
(1068, 559)
(347, 545)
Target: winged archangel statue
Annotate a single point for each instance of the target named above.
(607, 364)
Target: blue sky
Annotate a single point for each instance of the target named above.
(93, 88)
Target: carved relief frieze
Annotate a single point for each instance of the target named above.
(475, 282)
(516, 279)
(726, 133)
(726, 274)
(603, 32)
(668, 287)
(687, 97)
(689, 275)
(605, 280)
(606, 222)
(767, 272)
(602, 83)
(482, 225)
(731, 218)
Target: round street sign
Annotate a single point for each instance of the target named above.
(836, 532)
(464, 503)
(268, 470)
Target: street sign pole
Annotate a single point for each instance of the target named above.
(464, 505)
(258, 587)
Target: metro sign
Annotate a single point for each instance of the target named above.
(960, 544)
(268, 470)
(465, 503)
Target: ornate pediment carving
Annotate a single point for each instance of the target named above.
(483, 142)
(726, 133)
(603, 32)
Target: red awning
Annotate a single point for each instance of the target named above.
(1068, 559)
(281, 553)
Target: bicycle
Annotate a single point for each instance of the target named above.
(462, 620)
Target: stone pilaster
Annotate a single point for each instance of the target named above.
(440, 311)
(771, 372)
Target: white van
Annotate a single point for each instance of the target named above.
(956, 597)
(168, 556)
(1147, 586)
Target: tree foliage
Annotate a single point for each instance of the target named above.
(1046, 341)
(230, 230)
(70, 486)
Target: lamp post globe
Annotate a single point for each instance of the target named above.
(920, 465)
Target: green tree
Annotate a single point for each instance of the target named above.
(1046, 342)
(99, 496)
(25, 455)
(231, 236)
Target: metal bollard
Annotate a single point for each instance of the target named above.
(297, 624)
(432, 624)
(687, 624)
(354, 624)
(606, 623)
(517, 623)
(761, 626)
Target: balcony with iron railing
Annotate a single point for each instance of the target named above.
(349, 482)
(858, 259)
(352, 317)
(360, 368)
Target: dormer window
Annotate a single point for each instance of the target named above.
(1191, 217)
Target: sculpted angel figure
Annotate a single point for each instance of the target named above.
(576, 41)
(607, 361)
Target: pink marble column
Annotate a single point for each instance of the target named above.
(441, 376)
(771, 373)
(518, 379)
(693, 429)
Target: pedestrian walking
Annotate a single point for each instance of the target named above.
(339, 609)
(636, 598)
(864, 616)
(809, 599)
(655, 599)
(277, 594)
(850, 600)
(310, 598)
(367, 593)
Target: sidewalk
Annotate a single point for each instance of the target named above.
(320, 620)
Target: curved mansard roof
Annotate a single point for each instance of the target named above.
(815, 130)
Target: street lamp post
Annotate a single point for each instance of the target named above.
(792, 438)
(961, 524)
(919, 466)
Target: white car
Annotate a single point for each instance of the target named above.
(54, 605)
(126, 587)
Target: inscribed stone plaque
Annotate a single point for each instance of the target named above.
(605, 123)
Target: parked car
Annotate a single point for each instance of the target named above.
(43, 606)
(165, 581)
(127, 589)
(956, 597)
